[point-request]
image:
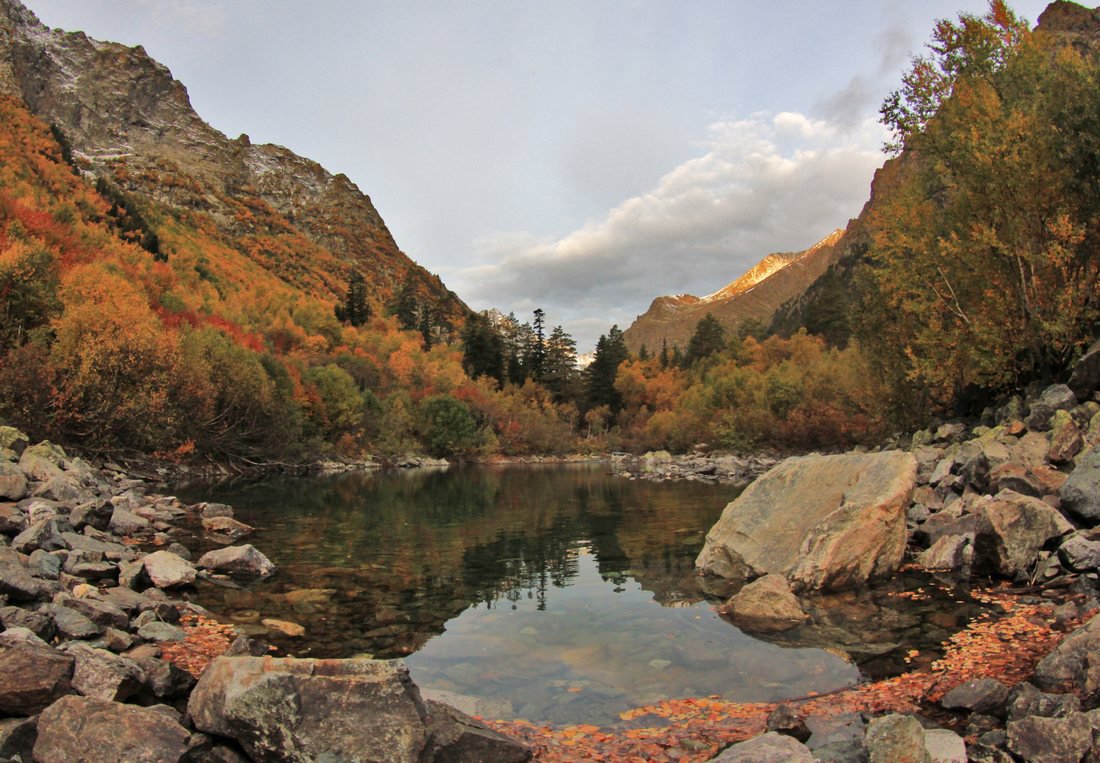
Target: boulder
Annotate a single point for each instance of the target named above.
(44, 534)
(62, 488)
(226, 527)
(167, 570)
(32, 676)
(237, 560)
(13, 483)
(1026, 700)
(13, 440)
(299, 710)
(1080, 493)
(765, 605)
(1050, 740)
(38, 623)
(42, 461)
(979, 695)
(125, 522)
(787, 721)
(945, 746)
(81, 729)
(1011, 530)
(96, 513)
(285, 627)
(99, 673)
(12, 520)
(17, 737)
(771, 747)
(823, 522)
(1073, 665)
(1080, 554)
(1056, 397)
(950, 552)
(15, 581)
(455, 736)
(211, 510)
(896, 739)
(1066, 439)
(71, 624)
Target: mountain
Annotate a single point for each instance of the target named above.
(754, 296)
(127, 122)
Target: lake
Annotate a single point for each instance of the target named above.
(550, 593)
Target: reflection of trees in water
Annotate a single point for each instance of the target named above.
(407, 551)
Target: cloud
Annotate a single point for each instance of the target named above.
(762, 184)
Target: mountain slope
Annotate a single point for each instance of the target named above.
(754, 296)
(128, 121)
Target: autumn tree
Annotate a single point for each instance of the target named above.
(985, 265)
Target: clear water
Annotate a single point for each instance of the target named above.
(554, 594)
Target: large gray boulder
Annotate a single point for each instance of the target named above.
(1012, 529)
(1073, 665)
(823, 522)
(300, 710)
(1080, 493)
(83, 729)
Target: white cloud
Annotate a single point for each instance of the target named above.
(763, 184)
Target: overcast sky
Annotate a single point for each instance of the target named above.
(583, 156)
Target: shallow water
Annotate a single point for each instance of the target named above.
(554, 594)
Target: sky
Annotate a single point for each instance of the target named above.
(582, 156)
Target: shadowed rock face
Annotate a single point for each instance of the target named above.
(823, 522)
(128, 120)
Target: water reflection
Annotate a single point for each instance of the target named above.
(550, 593)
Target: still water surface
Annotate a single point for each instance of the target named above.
(554, 594)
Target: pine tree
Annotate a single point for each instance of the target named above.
(709, 338)
(355, 309)
(611, 351)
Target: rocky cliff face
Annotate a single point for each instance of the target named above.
(128, 120)
(754, 296)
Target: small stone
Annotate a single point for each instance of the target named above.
(293, 630)
(167, 570)
(981, 695)
(226, 527)
(158, 631)
(241, 560)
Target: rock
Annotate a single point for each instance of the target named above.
(1081, 492)
(766, 605)
(96, 513)
(105, 614)
(32, 676)
(766, 748)
(289, 709)
(44, 564)
(70, 624)
(211, 510)
(1056, 397)
(13, 483)
(162, 678)
(1085, 378)
(1066, 440)
(38, 623)
(455, 736)
(44, 534)
(80, 729)
(15, 582)
(823, 522)
(950, 552)
(980, 695)
(284, 627)
(159, 632)
(1026, 700)
(896, 739)
(226, 527)
(167, 570)
(1080, 554)
(785, 720)
(944, 746)
(1073, 665)
(62, 488)
(237, 560)
(17, 738)
(12, 520)
(1050, 740)
(99, 673)
(1011, 530)
(14, 440)
(40, 463)
(127, 523)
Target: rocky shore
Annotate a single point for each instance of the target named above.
(660, 465)
(97, 633)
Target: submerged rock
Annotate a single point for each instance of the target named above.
(766, 605)
(823, 522)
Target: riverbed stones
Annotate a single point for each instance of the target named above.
(896, 739)
(1074, 664)
(299, 710)
(100, 673)
(823, 522)
(980, 695)
(81, 729)
(237, 560)
(766, 605)
(168, 570)
(13, 483)
(1050, 740)
(771, 747)
(32, 676)
(1080, 495)
(16, 582)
